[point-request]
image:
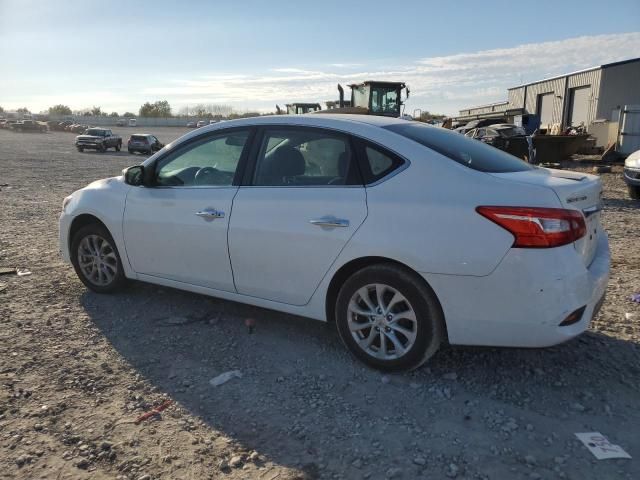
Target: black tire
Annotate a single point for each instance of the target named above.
(634, 191)
(97, 230)
(118, 146)
(103, 147)
(80, 149)
(429, 326)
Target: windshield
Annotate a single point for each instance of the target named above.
(95, 132)
(466, 151)
(384, 100)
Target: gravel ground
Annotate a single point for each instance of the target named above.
(77, 369)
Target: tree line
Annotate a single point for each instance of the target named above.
(158, 109)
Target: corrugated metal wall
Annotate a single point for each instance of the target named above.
(555, 87)
(591, 79)
(620, 86)
(516, 97)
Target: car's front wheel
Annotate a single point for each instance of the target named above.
(389, 318)
(96, 260)
(80, 149)
(118, 146)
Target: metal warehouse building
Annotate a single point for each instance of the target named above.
(571, 99)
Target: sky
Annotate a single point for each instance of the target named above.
(253, 55)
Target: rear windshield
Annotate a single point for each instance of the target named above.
(466, 151)
(139, 138)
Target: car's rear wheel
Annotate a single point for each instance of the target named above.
(96, 260)
(389, 318)
(80, 149)
(634, 191)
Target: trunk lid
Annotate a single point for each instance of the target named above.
(576, 191)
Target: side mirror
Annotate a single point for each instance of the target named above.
(134, 175)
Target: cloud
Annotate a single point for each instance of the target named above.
(444, 83)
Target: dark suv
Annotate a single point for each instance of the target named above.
(144, 143)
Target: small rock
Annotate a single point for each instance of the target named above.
(530, 459)
(357, 463)
(83, 464)
(529, 427)
(450, 376)
(22, 459)
(420, 461)
(144, 477)
(223, 465)
(104, 445)
(235, 461)
(38, 427)
(254, 457)
(452, 471)
(394, 472)
(385, 379)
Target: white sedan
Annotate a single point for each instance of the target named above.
(404, 235)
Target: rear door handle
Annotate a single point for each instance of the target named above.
(210, 214)
(330, 222)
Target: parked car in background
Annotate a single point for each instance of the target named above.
(98, 139)
(144, 143)
(403, 234)
(121, 122)
(213, 122)
(483, 122)
(632, 174)
(133, 122)
(191, 124)
(202, 123)
(507, 137)
(3, 123)
(29, 126)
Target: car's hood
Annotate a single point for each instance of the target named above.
(633, 160)
(88, 137)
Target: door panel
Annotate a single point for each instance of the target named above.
(177, 228)
(165, 238)
(276, 253)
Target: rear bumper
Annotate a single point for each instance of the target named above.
(523, 302)
(632, 176)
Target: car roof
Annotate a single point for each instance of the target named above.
(502, 125)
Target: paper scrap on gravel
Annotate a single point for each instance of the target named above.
(601, 448)
(225, 377)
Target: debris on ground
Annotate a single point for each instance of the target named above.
(225, 377)
(601, 448)
(7, 270)
(635, 297)
(154, 412)
(23, 272)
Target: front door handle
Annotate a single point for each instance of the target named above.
(210, 214)
(330, 222)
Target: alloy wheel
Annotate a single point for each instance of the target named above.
(97, 260)
(382, 321)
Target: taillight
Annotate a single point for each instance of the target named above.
(538, 227)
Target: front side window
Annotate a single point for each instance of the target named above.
(211, 161)
(302, 157)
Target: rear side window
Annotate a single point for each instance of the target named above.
(466, 151)
(377, 162)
